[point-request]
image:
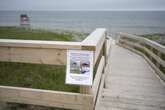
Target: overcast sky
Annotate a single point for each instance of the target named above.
(82, 4)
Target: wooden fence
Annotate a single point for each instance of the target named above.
(153, 52)
(54, 52)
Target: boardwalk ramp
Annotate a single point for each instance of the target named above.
(131, 84)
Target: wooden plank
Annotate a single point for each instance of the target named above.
(135, 91)
(134, 101)
(131, 36)
(109, 43)
(102, 85)
(85, 89)
(131, 43)
(95, 41)
(100, 92)
(46, 98)
(4, 54)
(159, 55)
(107, 67)
(36, 51)
(104, 51)
(131, 68)
(153, 44)
(39, 44)
(97, 79)
(157, 58)
(95, 37)
(33, 55)
(160, 74)
(118, 105)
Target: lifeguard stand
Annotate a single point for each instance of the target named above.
(24, 21)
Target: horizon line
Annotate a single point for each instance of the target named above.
(92, 10)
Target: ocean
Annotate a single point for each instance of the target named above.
(135, 22)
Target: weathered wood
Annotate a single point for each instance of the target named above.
(103, 76)
(131, 36)
(95, 41)
(46, 98)
(104, 49)
(100, 92)
(85, 89)
(158, 64)
(109, 43)
(33, 55)
(39, 44)
(98, 76)
(152, 55)
(131, 83)
(35, 51)
(157, 70)
(157, 58)
(130, 43)
(48, 52)
(151, 43)
(155, 45)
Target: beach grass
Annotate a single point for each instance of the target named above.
(157, 37)
(33, 34)
(40, 76)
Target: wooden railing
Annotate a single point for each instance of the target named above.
(54, 53)
(153, 52)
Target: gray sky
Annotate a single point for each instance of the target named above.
(82, 4)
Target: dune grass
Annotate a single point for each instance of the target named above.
(157, 37)
(33, 34)
(41, 76)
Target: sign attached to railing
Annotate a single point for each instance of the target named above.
(79, 67)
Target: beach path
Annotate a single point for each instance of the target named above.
(131, 84)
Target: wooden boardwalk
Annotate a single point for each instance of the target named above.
(131, 84)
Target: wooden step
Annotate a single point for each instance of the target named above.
(128, 106)
(136, 89)
(152, 96)
(131, 84)
(135, 101)
(134, 84)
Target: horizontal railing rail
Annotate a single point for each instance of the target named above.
(46, 97)
(153, 52)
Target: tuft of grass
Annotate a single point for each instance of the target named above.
(33, 34)
(157, 37)
(40, 76)
(152, 36)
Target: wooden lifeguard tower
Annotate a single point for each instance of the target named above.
(24, 21)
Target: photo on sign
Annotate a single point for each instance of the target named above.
(79, 67)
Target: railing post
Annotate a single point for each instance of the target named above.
(159, 55)
(150, 57)
(85, 90)
(105, 51)
(117, 37)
